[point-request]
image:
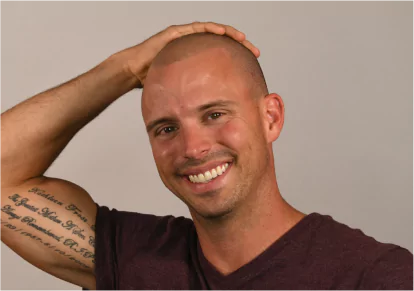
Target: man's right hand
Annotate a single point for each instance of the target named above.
(138, 58)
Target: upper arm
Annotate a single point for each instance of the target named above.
(50, 223)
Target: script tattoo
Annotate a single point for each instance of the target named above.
(23, 202)
(52, 247)
(30, 221)
(74, 227)
(8, 225)
(76, 211)
(42, 193)
(92, 241)
(84, 252)
(93, 227)
(46, 212)
(9, 211)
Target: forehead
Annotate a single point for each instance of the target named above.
(189, 83)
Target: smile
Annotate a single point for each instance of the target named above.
(209, 175)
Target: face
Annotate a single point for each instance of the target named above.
(200, 116)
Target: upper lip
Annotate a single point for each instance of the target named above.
(204, 168)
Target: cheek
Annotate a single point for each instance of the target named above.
(163, 156)
(236, 134)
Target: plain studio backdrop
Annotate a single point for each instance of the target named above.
(343, 69)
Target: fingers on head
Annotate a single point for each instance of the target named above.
(176, 31)
(251, 47)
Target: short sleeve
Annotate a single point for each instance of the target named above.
(121, 237)
(393, 270)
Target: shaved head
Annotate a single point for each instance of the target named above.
(242, 58)
(205, 103)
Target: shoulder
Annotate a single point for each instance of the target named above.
(374, 264)
(337, 236)
(126, 233)
(392, 269)
(127, 242)
(130, 224)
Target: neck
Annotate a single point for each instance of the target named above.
(245, 233)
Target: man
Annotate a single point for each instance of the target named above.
(211, 123)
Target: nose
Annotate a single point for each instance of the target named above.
(196, 142)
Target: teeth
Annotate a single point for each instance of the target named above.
(201, 178)
(209, 175)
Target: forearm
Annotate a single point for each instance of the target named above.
(35, 131)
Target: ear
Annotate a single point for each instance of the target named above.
(274, 116)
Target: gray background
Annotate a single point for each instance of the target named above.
(344, 71)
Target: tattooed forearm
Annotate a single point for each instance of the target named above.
(75, 210)
(42, 193)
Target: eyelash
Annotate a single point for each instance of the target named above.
(160, 132)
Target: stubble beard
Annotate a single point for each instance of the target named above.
(224, 210)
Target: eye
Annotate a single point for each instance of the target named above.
(166, 130)
(215, 115)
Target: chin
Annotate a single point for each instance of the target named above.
(214, 215)
(212, 212)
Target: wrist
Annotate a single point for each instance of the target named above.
(121, 69)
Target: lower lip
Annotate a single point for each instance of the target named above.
(214, 184)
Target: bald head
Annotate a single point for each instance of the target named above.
(243, 60)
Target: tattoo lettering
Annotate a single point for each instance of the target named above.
(78, 232)
(74, 227)
(69, 225)
(46, 212)
(85, 252)
(93, 227)
(48, 245)
(92, 241)
(9, 211)
(71, 258)
(42, 193)
(62, 253)
(8, 225)
(30, 221)
(32, 236)
(23, 202)
(79, 262)
(76, 211)
(71, 243)
(88, 255)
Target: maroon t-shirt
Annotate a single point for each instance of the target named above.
(142, 251)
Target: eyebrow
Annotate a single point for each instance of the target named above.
(200, 108)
